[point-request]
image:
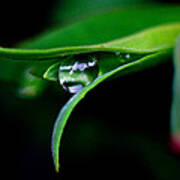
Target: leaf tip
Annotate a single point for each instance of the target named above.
(57, 166)
(56, 162)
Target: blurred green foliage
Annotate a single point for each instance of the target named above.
(67, 11)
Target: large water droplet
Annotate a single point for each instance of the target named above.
(77, 72)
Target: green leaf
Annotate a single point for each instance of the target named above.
(39, 60)
(147, 42)
(92, 30)
(95, 29)
(51, 73)
(73, 9)
(70, 105)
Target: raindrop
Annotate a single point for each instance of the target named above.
(77, 72)
(127, 56)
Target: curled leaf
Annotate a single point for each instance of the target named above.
(70, 105)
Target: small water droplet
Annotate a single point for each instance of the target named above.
(77, 72)
(127, 56)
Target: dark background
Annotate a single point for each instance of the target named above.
(95, 143)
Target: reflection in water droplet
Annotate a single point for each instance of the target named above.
(75, 88)
(77, 72)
